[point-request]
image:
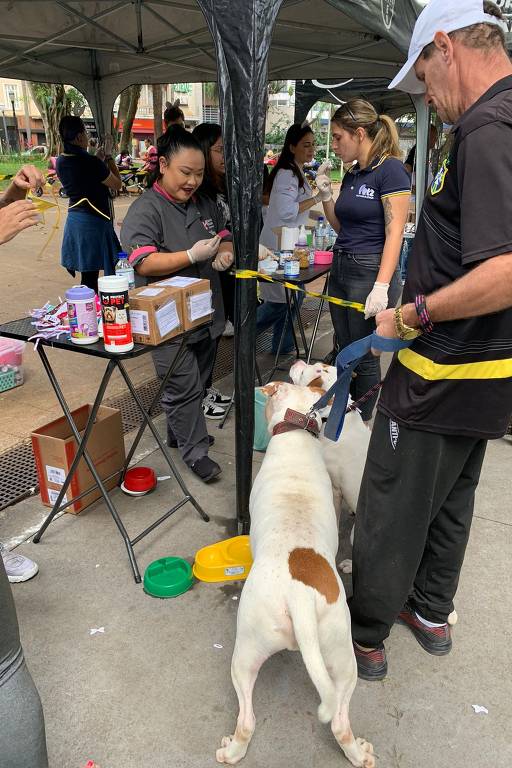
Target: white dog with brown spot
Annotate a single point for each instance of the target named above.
(293, 597)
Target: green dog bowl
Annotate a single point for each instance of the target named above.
(168, 577)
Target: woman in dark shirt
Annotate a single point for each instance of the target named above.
(89, 243)
(369, 217)
(171, 231)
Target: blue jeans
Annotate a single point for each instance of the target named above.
(273, 313)
(352, 278)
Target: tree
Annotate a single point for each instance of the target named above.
(52, 103)
(157, 110)
(124, 144)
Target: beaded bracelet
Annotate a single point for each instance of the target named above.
(420, 303)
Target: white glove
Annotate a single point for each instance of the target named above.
(264, 253)
(377, 300)
(204, 249)
(223, 261)
(324, 168)
(323, 184)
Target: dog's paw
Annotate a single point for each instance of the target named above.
(453, 618)
(345, 566)
(368, 759)
(230, 752)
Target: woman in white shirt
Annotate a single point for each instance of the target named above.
(290, 200)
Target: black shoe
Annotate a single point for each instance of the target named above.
(371, 665)
(173, 443)
(434, 640)
(206, 469)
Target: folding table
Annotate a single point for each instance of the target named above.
(23, 330)
(305, 276)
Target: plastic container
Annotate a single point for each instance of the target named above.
(115, 311)
(11, 363)
(261, 435)
(168, 577)
(301, 254)
(323, 257)
(124, 269)
(83, 320)
(228, 560)
(140, 480)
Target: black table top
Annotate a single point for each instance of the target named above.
(23, 329)
(305, 275)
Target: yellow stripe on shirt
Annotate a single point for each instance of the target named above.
(396, 194)
(431, 371)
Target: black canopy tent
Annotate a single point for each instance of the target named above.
(102, 46)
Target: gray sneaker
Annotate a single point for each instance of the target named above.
(18, 567)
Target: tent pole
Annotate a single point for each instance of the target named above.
(422, 131)
(242, 60)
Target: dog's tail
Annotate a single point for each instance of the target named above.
(302, 607)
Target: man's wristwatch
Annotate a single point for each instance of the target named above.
(403, 331)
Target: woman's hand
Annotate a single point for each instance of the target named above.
(16, 217)
(204, 250)
(323, 184)
(28, 178)
(264, 253)
(377, 300)
(223, 261)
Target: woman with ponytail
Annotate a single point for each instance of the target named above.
(369, 217)
(169, 231)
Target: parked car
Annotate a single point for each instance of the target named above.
(39, 150)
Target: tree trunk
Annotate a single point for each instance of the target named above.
(125, 143)
(53, 104)
(157, 110)
(124, 103)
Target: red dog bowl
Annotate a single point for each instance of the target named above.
(140, 480)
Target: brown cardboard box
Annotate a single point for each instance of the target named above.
(196, 299)
(55, 447)
(155, 313)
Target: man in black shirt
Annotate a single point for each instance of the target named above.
(451, 390)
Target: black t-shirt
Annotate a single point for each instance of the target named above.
(458, 379)
(82, 175)
(411, 157)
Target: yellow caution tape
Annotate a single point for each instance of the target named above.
(6, 176)
(251, 274)
(39, 204)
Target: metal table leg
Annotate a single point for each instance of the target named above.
(82, 451)
(325, 291)
(294, 302)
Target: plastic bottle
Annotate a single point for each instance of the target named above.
(123, 268)
(319, 235)
(303, 237)
(83, 320)
(115, 310)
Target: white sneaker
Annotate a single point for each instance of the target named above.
(18, 567)
(229, 330)
(215, 397)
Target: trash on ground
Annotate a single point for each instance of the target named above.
(480, 710)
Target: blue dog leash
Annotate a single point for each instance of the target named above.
(346, 362)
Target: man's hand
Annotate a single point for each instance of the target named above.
(28, 178)
(385, 327)
(16, 217)
(223, 261)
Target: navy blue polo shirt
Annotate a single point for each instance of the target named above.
(359, 207)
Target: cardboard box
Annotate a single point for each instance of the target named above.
(155, 313)
(196, 299)
(55, 447)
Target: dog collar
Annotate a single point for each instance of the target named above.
(295, 420)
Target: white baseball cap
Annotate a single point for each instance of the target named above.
(438, 16)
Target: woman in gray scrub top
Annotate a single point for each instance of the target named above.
(171, 231)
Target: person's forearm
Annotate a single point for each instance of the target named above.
(390, 256)
(11, 194)
(331, 216)
(305, 205)
(111, 165)
(485, 289)
(158, 264)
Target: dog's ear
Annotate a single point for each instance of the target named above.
(297, 370)
(271, 388)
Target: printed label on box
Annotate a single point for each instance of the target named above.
(53, 496)
(150, 292)
(140, 322)
(200, 305)
(167, 318)
(55, 475)
(179, 282)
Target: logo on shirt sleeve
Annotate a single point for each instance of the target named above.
(367, 193)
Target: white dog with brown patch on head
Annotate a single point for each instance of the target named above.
(293, 597)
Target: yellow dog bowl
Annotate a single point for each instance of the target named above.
(228, 560)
